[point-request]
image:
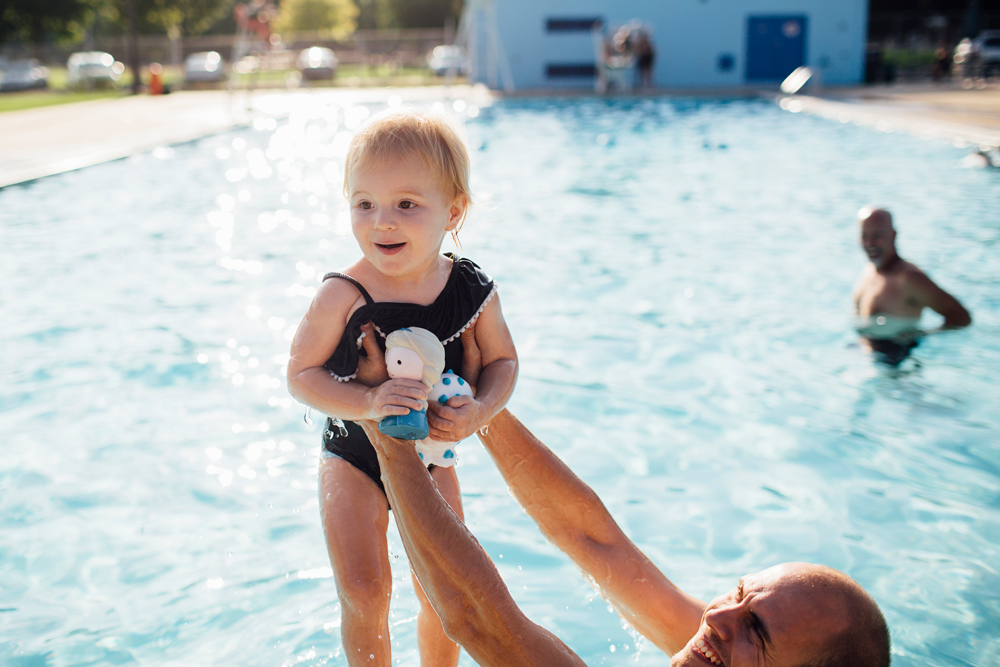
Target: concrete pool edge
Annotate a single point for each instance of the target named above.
(944, 112)
(36, 143)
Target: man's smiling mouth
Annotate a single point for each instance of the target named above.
(705, 649)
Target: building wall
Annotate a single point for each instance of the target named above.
(689, 36)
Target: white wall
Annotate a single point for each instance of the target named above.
(689, 36)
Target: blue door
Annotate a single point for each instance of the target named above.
(776, 45)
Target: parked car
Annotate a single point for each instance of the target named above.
(317, 63)
(448, 58)
(93, 68)
(23, 75)
(978, 57)
(204, 66)
(988, 46)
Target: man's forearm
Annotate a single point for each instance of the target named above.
(566, 510)
(460, 580)
(572, 516)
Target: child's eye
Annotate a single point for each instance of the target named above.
(406, 204)
(365, 205)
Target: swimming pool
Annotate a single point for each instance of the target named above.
(677, 276)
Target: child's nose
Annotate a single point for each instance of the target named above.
(384, 220)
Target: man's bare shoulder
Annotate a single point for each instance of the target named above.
(913, 276)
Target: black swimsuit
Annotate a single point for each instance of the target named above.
(455, 309)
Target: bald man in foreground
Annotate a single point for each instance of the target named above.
(892, 293)
(792, 615)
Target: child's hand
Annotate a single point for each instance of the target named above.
(396, 397)
(455, 421)
(371, 368)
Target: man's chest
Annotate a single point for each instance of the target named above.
(885, 294)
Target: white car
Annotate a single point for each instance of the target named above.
(317, 62)
(23, 75)
(448, 58)
(978, 57)
(204, 66)
(988, 47)
(93, 68)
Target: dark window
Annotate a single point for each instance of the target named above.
(585, 24)
(570, 70)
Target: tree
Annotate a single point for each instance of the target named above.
(191, 17)
(424, 13)
(338, 17)
(375, 14)
(42, 20)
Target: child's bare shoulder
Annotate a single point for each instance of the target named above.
(337, 298)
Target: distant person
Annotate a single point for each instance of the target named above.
(785, 616)
(980, 158)
(941, 67)
(616, 64)
(892, 293)
(407, 186)
(645, 57)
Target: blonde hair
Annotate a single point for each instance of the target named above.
(403, 133)
(426, 345)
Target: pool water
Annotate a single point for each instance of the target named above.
(677, 277)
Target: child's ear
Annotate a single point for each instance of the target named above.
(456, 213)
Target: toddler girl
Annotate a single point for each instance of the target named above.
(407, 182)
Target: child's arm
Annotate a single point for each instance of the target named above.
(463, 416)
(310, 382)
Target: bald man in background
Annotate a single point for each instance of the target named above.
(892, 293)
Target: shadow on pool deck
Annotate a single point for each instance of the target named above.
(41, 142)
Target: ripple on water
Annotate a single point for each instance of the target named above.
(676, 275)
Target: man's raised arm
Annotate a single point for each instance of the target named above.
(926, 292)
(571, 515)
(460, 580)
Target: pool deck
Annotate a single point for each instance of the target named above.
(934, 111)
(35, 143)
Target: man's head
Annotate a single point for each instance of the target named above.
(791, 615)
(878, 237)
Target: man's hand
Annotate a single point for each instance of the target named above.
(371, 368)
(457, 420)
(472, 357)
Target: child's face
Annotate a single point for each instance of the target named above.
(400, 214)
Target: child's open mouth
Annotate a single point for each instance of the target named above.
(390, 248)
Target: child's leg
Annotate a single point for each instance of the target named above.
(355, 516)
(436, 650)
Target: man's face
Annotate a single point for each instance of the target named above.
(782, 616)
(878, 239)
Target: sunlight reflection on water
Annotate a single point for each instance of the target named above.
(676, 274)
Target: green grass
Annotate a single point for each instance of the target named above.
(44, 98)
(905, 58)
